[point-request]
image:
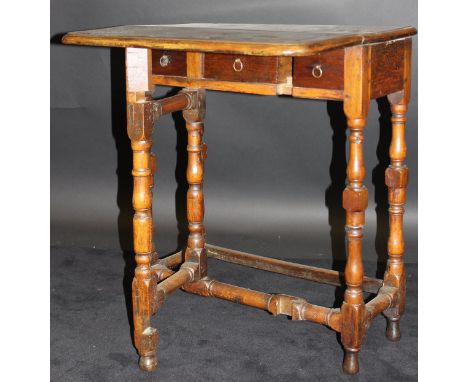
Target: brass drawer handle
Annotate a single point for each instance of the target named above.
(165, 60)
(237, 65)
(317, 71)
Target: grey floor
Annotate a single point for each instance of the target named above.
(204, 339)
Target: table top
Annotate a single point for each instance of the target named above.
(249, 39)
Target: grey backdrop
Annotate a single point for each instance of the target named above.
(276, 165)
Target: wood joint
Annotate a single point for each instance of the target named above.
(172, 261)
(385, 299)
(307, 272)
(396, 177)
(149, 341)
(286, 304)
(140, 120)
(160, 272)
(174, 281)
(195, 110)
(142, 115)
(355, 200)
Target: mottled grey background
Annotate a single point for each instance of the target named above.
(271, 186)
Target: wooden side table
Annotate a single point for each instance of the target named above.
(352, 64)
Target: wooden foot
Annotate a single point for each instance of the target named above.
(144, 284)
(396, 178)
(148, 362)
(140, 119)
(393, 329)
(351, 361)
(355, 196)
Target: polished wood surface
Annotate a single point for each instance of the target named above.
(352, 64)
(261, 59)
(241, 68)
(387, 67)
(396, 179)
(169, 63)
(355, 197)
(249, 39)
(320, 275)
(322, 70)
(197, 152)
(319, 76)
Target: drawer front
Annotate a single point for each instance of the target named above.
(231, 67)
(321, 71)
(169, 63)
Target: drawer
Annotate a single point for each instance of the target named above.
(231, 67)
(169, 63)
(321, 71)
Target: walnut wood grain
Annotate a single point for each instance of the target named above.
(356, 107)
(286, 76)
(384, 300)
(195, 65)
(228, 86)
(356, 64)
(307, 272)
(194, 115)
(176, 63)
(249, 68)
(173, 260)
(259, 40)
(332, 70)
(139, 128)
(396, 179)
(296, 308)
(309, 93)
(387, 67)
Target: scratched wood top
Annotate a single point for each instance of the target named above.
(250, 39)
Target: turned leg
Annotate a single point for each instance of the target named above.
(196, 251)
(355, 203)
(396, 179)
(140, 123)
(355, 198)
(142, 112)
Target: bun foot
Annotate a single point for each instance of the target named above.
(351, 362)
(148, 362)
(393, 329)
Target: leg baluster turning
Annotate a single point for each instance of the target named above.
(193, 116)
(355, 203)
(396, 178)
(144, 285)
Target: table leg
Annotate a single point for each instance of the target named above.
(355, 197)
(396, 179)
(140, 123)
(355, 202)
(194, 116)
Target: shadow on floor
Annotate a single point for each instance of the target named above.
(124, 175)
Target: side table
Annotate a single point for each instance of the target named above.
(353, 64)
